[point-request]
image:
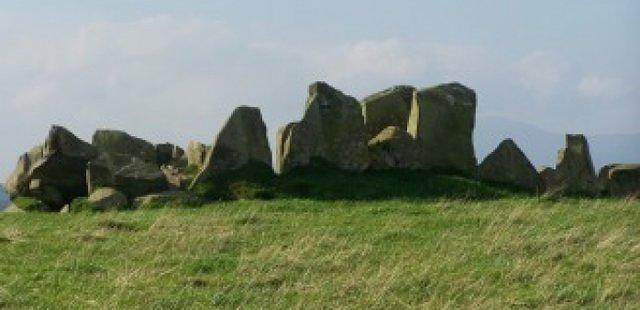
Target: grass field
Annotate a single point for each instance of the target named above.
(304, 253)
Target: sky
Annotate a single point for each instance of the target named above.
(172, 71)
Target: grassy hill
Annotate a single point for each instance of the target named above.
(356, 253)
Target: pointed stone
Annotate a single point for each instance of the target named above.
(243, 139)
(507, 164)
(574, 173)
(332, 129)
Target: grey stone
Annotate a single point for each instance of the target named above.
(139, 178)
(620, 180)
(442, 121)
(170, 154)
(53, 172)
(390, 107)
(106, 198)
(332, 129)
(393, 148)
(507, 164)
(243, 139)
(574, 173)
(116, 142)
(197, 153)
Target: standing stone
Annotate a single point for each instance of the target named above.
(197, 154)
(242, 140)
(442, 120)
(393, 148)
(546, 175)
(332, 129)
(169, 154)
(620, 180)
(574, 173)
(116, 142)
(53, 172)
(390, 107)
(107, 198)
(507, 164)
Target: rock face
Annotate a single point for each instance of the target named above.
(332, 129)
(507, 164)
(392, 148)
(139, 178)
(176, 177)
(197, 154)
(53, 172)
(169, 154)
(390, 107)
(442, 120)
(115, 142)
(620, 180)
(243, 139)
(574, 173)
(107, 198)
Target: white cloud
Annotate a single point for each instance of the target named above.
(602, 87)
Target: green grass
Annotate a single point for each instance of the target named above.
(328, 253)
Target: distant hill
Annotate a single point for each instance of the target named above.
(4, 198)
(542, 146)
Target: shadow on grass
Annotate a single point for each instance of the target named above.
(321, 181)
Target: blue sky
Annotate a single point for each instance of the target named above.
(174, 70)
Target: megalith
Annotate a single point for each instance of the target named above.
(507, 164)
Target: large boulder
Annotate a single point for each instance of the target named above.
(507, 164)
(242, 140)
(170, 154)
(104, 199)
(53, 172)
(620, 180)
(332, 129)
(197, 154)
(390, 107)
(574, 173)
(130, 175)
(392, 148)
(442, 120)
(116, 142)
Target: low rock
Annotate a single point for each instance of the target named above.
(104, 199)
(176, 177)
(507, 164)
(140, 178)
(620, 180)
(393, 148)
(165, 199)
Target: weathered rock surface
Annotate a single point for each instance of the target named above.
(507, 164)
(442, 120)
(332, 129)
(620, 180)
(197, 153)
(53, 172)
(165, 199)
(139, 178)
(390, 107)
(546, 175)
(176, 177)
(107, 198)
(169, 154)
(116, 142)
(392, 148)
(574, 173)
(243, 139)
